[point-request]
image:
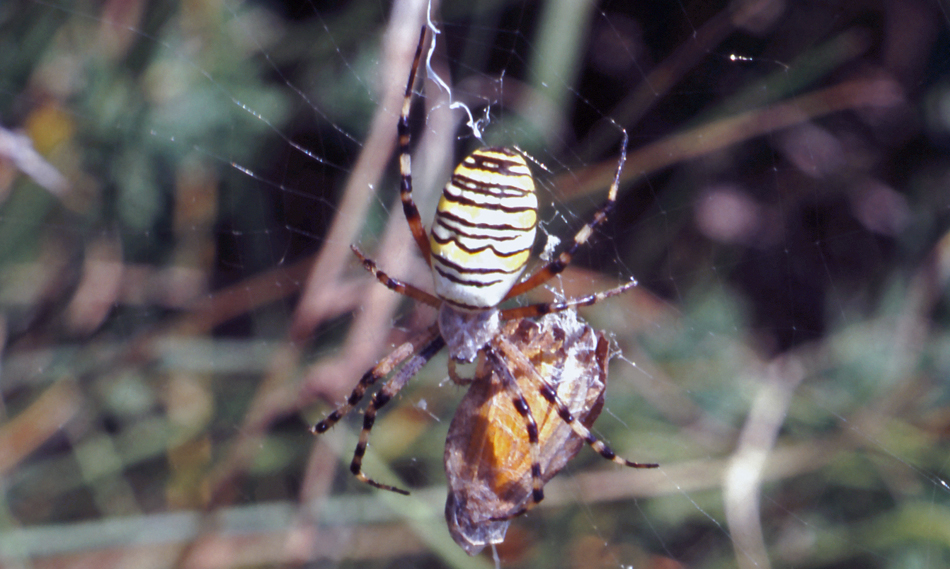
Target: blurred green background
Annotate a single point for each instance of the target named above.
(180, 184)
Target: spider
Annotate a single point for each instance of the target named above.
(477, 248)
(486, 462)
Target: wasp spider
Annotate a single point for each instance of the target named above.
(487, 459)
(477, 248)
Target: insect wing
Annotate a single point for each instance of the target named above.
(487, 453)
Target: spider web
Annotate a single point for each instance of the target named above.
(179, 310)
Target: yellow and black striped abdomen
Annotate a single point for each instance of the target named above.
(484, 228)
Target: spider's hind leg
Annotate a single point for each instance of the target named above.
(540, 309)
(405, 160)
(395, 285)
(559, 263)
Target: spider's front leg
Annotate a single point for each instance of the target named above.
(548, 391)
(457, 379)
(497, 362)
(383, 396)
(418, 352)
